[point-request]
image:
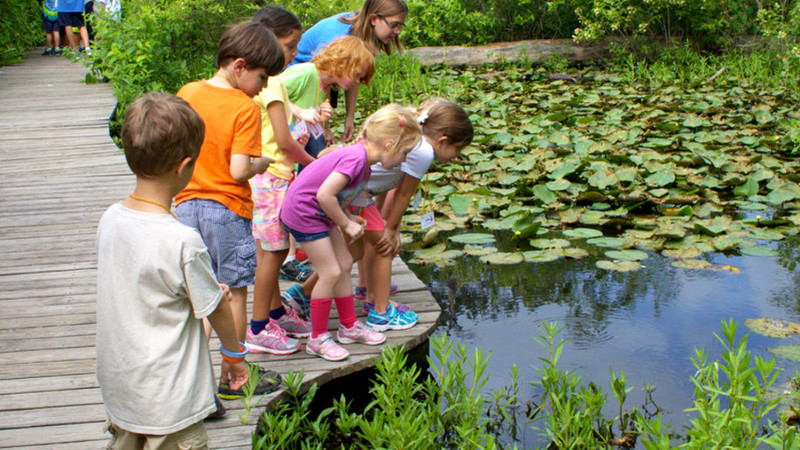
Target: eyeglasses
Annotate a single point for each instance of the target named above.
(393, 25)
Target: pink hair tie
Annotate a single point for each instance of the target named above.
(402, 122)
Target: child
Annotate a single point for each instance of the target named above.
(50, 27)
(446, 130)
(271, 321)
(378, 24)
(217, 201)
(317, 219)
(70, 15)
(154, 285)
(345, 62)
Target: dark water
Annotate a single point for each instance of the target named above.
(645, 323)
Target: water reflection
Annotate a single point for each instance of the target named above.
(646, 323)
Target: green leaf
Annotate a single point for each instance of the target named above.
(661, 178)
(619, 266)
(759, 251)
(473, 238)
(788, 352)
(749, 188)
(626, 255)
(611, 242)
(549, 243)
(775, 328)
(502, 258)
(545, 195)
(584, 233)
(460, 203)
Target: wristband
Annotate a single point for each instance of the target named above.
(234, 357)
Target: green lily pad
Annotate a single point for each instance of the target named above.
(503, 258)
(542, 256)
(611, 242)
(549, 243)
(479, 250)
(619, 266)
(682, 253)
(583, 233)
(710, 230)
(460, 203)
(691, 264)
(473, 238)
(759, 251)
(769, 327)
(626, 255)
(574, 253)
(788, 352)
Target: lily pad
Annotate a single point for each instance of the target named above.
(626, 255)
(691, 264)
(541, 256)
(611, 242)
(503, 258)
(473, 238)
(789, 352)
(479, 250)
(549, 243)
(682, 253)
(583, 233)
(759, 251)
(769, 327)
(619, 266)
(574, 253)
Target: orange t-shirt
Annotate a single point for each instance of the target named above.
(233, 126)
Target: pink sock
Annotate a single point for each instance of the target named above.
(347, 310)
(320, 312)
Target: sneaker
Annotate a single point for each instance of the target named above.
(271, 339)
(294, 271)
(402, 307)
(57, 51)
(295, 299)
(48, 52)
(300, 255)
(361, 291)
(359, 333)
(293, 325)
(324, 347)
(269, 382)
(391, 320)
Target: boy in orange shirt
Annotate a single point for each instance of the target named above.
(217, 201)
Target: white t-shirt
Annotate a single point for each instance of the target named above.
(383, 180)
(154, 285)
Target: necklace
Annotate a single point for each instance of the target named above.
(153, 203)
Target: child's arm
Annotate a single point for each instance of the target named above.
(244, 167)
(222, 322)
(389, 243)
(283, 137)
(326, 196)
(350, 99)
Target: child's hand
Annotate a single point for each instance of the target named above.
(236, 373)
(303, 139)
(354, 230)
(325, 110)
(349, 129)
(389, 244)
(226, 292)
(330, 139)
(310, 115)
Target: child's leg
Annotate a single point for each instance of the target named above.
(266, 293)
(378, 277)
(239, 309)
(84, 36)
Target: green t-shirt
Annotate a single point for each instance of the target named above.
(302, 84)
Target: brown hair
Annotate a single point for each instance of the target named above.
(362, 28)
(158, 132)
(346, 56)
(278, 19)
(253, 42)
(440, 117)
(392, 122)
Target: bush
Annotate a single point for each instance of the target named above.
(20, 29)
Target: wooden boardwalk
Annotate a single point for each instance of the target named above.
(59, 171)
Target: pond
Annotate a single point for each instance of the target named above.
(646, 323)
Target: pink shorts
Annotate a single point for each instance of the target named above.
(373, 216)
(268, 194)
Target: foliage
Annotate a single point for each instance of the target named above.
(20, 29)
(451, 409)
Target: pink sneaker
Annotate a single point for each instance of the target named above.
(359, 333)
(293, 325)
(271, 339)
(324, 347)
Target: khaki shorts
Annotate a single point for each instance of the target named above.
(193, 437)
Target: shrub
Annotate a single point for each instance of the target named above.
(20, 29)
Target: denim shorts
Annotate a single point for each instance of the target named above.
(228, 236)
(299, 236)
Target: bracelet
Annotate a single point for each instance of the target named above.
(234, 355)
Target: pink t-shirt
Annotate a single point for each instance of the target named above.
(301, 211)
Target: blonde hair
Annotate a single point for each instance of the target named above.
(346, 56)
(440, 117)
(392, 122)
(363, 29)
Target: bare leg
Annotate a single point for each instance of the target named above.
(266, 293)
(71, 38)
(84, 36)
(239, 309)
(378, 274)
(333, 263)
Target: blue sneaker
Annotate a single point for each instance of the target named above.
(295, 298)
(294, 271)
(391, 320)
